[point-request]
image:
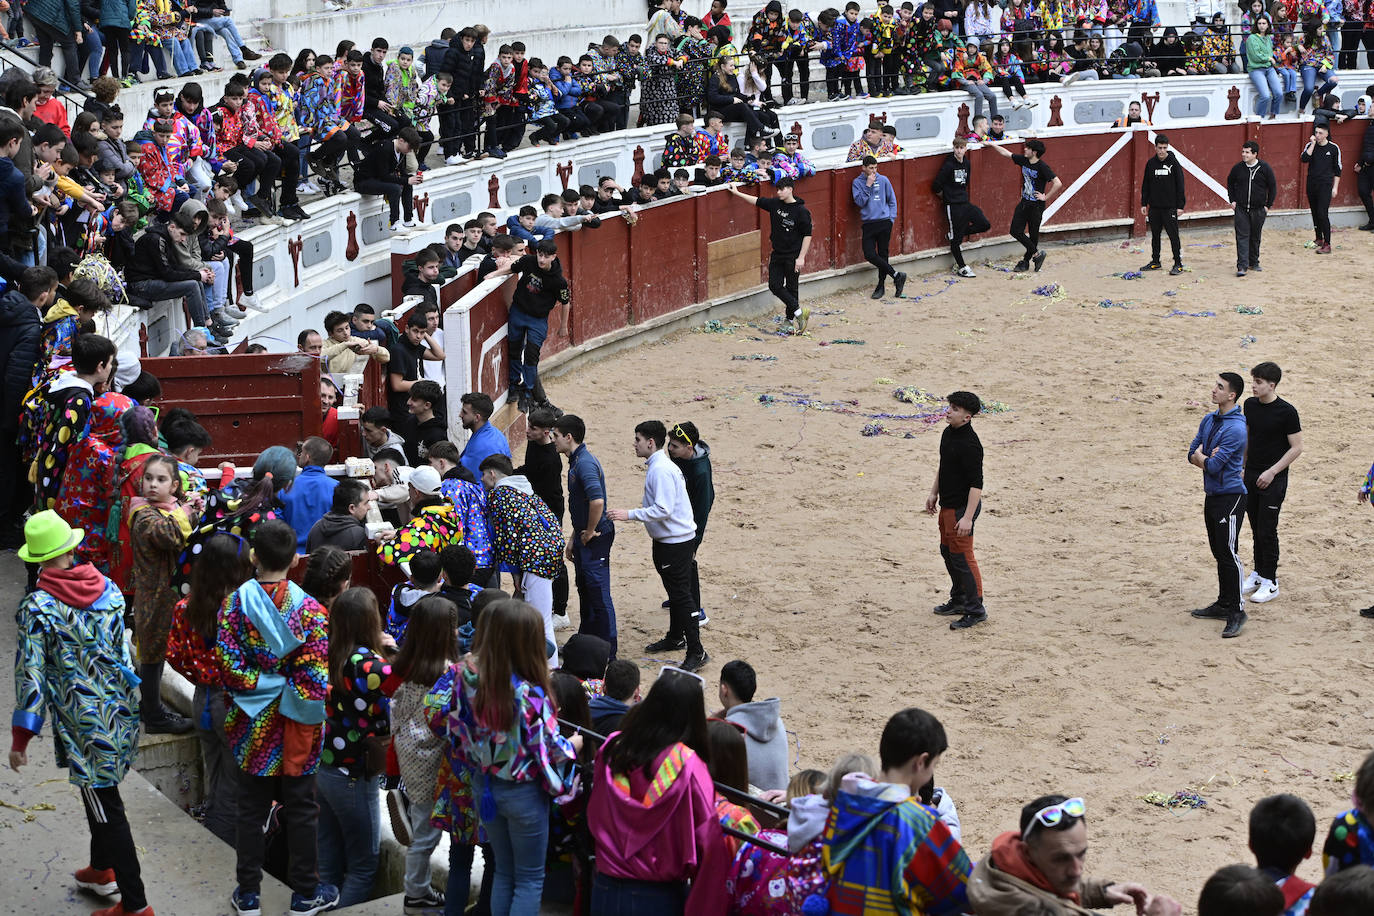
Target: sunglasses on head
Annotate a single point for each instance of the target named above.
(674, 670)
(1053, 815)
(680, 433)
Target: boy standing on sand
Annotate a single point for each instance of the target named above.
(73, 661)
(958, 494)
(790, 236)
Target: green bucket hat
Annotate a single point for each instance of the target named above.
(47, 535)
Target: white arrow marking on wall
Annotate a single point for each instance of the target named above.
(1087, 176)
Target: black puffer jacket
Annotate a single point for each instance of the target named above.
(21, 328)
(466, 68)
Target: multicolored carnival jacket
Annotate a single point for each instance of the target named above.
(431, 528)
(273, 653)
(91, 478)
(526, 533)
(72, 662)
(470, 501)
(162, 170)
(58, 420)
(186, 143)
(887, 853)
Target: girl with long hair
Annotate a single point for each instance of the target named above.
(430, 648)
(191, 651)
(327, 573)
(351, 764)
(504, 733)
(653, 810)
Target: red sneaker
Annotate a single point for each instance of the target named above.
(118, 910)
(1324, 248)
(97, 881)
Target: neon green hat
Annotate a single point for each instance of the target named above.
(47, 535)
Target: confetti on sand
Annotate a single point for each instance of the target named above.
(755, 357)
(1183, 798)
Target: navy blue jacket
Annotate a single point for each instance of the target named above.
(21, 329)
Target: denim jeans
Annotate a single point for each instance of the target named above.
(624, 897)
(218, 292)
(349, 833)
(524, 337)
(519, 837)
(183, 55)
(224, 27)
(592, 579)
(221, 769)
(1290, 79)
(192, 290)
(92, 50)
(1268, 91)
(1312, 80)
(424, 839)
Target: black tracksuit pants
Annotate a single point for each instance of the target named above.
(112, 843)
(1262, 508)
(1319, 200)
(966, 220)
(1025, 225)
(1164, 219)
(1223, 512)
(784, 281)
(1249, 223)
(877, 237)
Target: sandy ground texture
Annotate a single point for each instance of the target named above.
(820, 567)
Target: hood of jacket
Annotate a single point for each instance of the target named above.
(759, 718)
(860, 807)
(606, 706)
(332, 523)
(197, 209)
(79, 587)
(60, 309)
(69, 380)
(105, 414)
(807, 821)
(517, 482)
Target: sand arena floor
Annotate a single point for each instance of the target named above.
(820, 567)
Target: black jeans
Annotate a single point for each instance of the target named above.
(396, 191)
(784, 280)
(299, 814)
(1262, 508)
(506, 129)
(550, 129)
(1364, 182)
(673, 563)
(877, 236)
(112, 843)
(49, 36)
(1249, 226)
(739, 112)
(242, 249)
(1319, 200)
(1164, 219)
(255, 163)
(1354, 34)
(802, 69)
(469, 119)
(965, 220)
(1025, 225)
(118, 46)
(1223, 512)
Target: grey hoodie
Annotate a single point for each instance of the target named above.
(517, 481)
(765, 741)
(187, 251)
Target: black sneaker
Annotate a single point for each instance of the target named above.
(1038, 260)
(898, 284)
(1240, 271)
(666, 645)
(1367, 227)
(1367, 612)
(167, 723)
(695, 661)
(972, 617)
(294, 211)
(1021, 266)
(1212, 611)
(1255, 266)
(954, 607)
(880, 290)
(1233, 624)
(1153, 265)
(1176, 269)
(431, 902)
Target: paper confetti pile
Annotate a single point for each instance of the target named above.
(1249, 310)
(1183, 798)
(756, 357)
(1179, 313)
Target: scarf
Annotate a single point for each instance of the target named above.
(1009, 855)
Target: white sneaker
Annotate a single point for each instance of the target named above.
(561, 622)
(395, 227)
(233, 312)
(410, 223)
(702, 619)
(456, 159)
(1251, 583)
(1016, 103)
(966, 271)
(250, 301)
(1031, 103)
(307, 187)
(239, 203)
(1267, 591)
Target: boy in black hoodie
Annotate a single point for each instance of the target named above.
(543, 468)
(1162, 199)
(343, 526)
(540, 287)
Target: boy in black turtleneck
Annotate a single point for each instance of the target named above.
(958, 495)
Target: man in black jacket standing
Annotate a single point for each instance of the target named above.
(1251, 188)
(1162, 199)
(466, 61)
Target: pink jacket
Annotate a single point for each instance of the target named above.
(662, 829)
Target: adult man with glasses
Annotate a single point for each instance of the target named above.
(1040, 869)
